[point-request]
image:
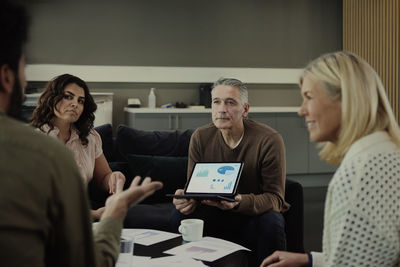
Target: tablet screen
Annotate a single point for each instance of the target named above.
(218, 178)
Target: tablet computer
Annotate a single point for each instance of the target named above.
(213, 180)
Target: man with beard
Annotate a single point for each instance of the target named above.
(255, 218)
(45, 217)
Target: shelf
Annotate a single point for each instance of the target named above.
(142, 74)
(31, 100)
(208, 110)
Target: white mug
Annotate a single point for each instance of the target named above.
(191, 229)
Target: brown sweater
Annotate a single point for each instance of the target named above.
(262, 150)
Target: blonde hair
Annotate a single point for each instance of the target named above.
(365, 107)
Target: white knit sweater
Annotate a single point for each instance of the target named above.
(362, 208)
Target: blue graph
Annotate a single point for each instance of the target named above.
(225, 169)
(228, 186)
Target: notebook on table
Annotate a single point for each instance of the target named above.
(213, 180)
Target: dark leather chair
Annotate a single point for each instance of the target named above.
(294, 217)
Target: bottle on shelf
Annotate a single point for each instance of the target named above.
(152, 98)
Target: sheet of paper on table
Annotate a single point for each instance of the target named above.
(176, 261)
(207, 249)
(147, 237)
(136, 262)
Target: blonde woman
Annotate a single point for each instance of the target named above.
(346, 108)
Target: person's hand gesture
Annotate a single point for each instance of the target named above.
(118, 204)
(184, 205)
(96, 214)
(114, 178)
(285, 259)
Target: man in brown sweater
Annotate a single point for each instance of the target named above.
(255, 218)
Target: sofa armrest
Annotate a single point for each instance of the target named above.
(294, 217)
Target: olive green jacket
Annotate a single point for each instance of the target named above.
(44, 211)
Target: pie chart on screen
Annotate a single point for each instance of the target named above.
(225, 170)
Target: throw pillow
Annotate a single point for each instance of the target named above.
(159, 143)
(171, 171)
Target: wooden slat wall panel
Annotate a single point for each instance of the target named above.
(371, 30)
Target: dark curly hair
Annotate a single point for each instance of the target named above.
(14, 22)
(54, 93)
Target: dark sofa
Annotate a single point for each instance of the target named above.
(163, 157)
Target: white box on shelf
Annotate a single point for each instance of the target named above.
(103, 114)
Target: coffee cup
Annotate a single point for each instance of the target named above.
(191, 229)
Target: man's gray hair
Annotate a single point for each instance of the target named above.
(244, 95)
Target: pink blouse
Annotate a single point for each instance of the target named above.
(85, 157)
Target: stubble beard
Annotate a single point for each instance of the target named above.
(16, 100)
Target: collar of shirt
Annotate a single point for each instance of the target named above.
(54, 133)
(239, 141)
(365, 142)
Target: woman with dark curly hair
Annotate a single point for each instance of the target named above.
(65, 111)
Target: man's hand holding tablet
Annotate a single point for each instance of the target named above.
(185, 205)
(224, 204)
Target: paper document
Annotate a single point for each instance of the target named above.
(136, 261)
(176, 261)
(207, 249)
(147, 237)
